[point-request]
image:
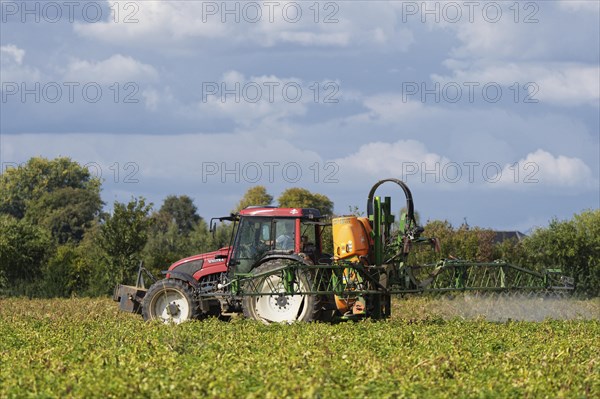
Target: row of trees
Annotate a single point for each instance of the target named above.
(57, 240)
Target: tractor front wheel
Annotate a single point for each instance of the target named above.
(275, 305)
(170, 301)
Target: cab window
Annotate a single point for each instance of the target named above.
(285, 234)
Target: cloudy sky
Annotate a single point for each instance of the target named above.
(489, 110)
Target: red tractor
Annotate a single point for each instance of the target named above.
(275, 269)
(264, 237)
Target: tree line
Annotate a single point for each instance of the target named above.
(57, 239)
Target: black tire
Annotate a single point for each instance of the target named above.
(170, 301)
(280, 308)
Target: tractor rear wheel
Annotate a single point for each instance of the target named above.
(276, 306)
(170, 301)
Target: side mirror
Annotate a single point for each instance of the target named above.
(213, 226)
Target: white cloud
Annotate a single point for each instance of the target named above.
(573, 84)
(548, 43)
(151, 99)
(497, 41)
(579, 5)
(14, 52)
(341, 39)
(411, 161)
(527, 31)
(464, 134)
(154, 22)
(12, 67)
(178, 159)
(543, 168)
(117, 68)
(215, 170)
(379, 159)
(392, 106)
(556, 83)
(248, 100)
(261, 24)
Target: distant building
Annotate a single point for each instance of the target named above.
(508, 235)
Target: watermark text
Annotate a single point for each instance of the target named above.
(254, 92)
(470, 11)
(269, 172)
(469, 172)
(54, 92)
(252, 12)
(454, 92)
(53, 12)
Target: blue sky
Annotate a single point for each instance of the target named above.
(489, 110)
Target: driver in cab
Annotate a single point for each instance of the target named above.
(285, 235)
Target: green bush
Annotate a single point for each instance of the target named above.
(572, 245)
(24, 247)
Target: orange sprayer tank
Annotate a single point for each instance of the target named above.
(351, 237)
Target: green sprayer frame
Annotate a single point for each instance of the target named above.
(385, 273)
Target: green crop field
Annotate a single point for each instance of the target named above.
(86, 348)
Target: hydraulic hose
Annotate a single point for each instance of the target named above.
(410, 211)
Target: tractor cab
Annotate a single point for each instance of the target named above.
(268, 232)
